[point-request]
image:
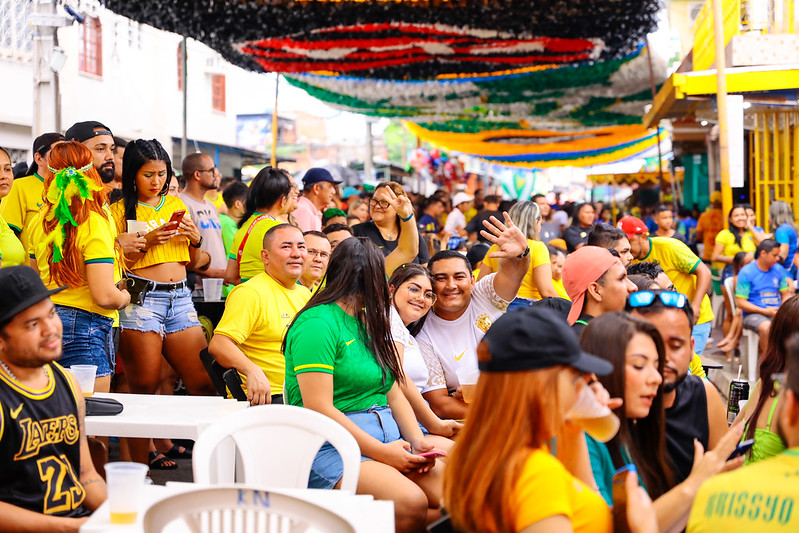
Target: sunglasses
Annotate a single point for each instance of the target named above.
(646, 298)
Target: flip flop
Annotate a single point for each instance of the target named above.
(159, 461)
(175, 453)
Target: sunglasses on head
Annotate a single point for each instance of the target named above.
(668, 298)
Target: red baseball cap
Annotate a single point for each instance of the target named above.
(581, 268)
(632, 226)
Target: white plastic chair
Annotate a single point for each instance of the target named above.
(750, 338)
(716, 300)
(242, 510)
(277, 445)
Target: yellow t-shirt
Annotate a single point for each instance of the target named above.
(560, 289)
(217, 200)
(545, 488)
(679, 263)
(22, 202)
(95, 240)
(726, 238)
(11, 251)
(539, 255)
(696, 367)
(256, 316)
(759, 498)
(251, 264)
(174, 251)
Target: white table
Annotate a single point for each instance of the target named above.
(364, 512)
(161, 417)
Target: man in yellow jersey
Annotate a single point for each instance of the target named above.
(47, 479)
(250, 334)
(761, 497)
(25, 197)
(688, 273)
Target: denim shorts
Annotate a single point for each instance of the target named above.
(164, 312)
(327, 468)
(88, 339)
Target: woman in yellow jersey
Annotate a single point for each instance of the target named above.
(11, 251)
(73, 243)
(501, 476)
(737, 238)
(537, 283)
(164, 320)
(272, 196)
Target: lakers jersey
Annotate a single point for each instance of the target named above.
(40, 446)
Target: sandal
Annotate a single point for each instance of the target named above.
(159, 461)
(175, 453)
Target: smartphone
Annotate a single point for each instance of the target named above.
(434, 453)
(174, 221)
(741, 449)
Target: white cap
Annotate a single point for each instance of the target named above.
(460, 198)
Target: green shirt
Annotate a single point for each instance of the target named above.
(229, 228)
(326, 339)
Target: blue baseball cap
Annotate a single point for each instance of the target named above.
(317, 175)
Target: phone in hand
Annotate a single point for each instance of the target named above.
(434, 453)
(741, 449)
(175, 220)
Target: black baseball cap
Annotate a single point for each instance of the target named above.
(534, 339)
(82, 131)
(41, 145)
(20, 288)
(316, 175)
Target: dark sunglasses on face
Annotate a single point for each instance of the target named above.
(668, 298)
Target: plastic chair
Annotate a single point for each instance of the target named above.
(222, 378)
(242, 509)
(277, 445)
(751, 338)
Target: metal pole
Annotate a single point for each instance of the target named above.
(273, 159)
(184, 139)
(721, 102)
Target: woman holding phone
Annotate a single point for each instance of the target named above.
(161, 318)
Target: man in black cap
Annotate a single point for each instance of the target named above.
(47, 479)
(319, 188)
(99, 139)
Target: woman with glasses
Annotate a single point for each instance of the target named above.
(636, 350)
(393, 227)
(412, 296)
(758, 414)
(341, 361)
(537, 283)
(271, 198)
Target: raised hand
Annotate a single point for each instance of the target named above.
(510, 241)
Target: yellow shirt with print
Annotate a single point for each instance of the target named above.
(759, 498)
(95, 240)
(256, 316)
(176, 250)
(539, 255)
(679, 264)
(731, 248)
(251, 263)
(22, 202)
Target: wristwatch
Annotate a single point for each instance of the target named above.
(524, 254)
(200, 243)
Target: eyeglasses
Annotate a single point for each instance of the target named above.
(417, 292)
(320, 253)
(208, 170)
(668, 298)
(382, 204)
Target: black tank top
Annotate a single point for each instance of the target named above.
(686, 420)
(40, 446)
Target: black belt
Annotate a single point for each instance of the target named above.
(170, 286)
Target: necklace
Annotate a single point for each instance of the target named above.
(15, 378)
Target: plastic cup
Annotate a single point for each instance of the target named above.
(468, 382)
(125, 483)
(84, 375)
(596, 419)
(212, 289)
(137, 226)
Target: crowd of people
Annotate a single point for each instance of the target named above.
(372, 307)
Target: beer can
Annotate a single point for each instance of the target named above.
(739, 390)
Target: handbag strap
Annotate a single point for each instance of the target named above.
(247, 236)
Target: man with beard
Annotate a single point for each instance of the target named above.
(761, 496)
(694, 409)
(99, 139)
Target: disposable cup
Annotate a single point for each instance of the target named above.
(137, 226)
(212, 289)
(596, 419)
(468, 382)
(84, 375)
(125, 483)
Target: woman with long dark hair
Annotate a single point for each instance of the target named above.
(730, 241)
(271, 197)
(161, 318)
(576, 235)
(758, 414)
(342, 362)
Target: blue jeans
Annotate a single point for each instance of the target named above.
(88, 339)
(163, 312)
(520, 303)
(700, 334)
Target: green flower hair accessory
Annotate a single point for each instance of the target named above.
(67, 183)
